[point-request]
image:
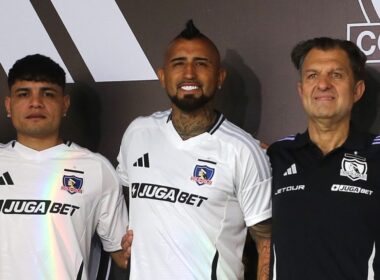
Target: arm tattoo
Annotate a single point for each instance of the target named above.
(261, 233)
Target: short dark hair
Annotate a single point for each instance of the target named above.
(356, 56)
(191, 32)
(38, 68)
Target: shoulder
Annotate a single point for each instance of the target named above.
(77, 151)
(244, 150)
(234, 135)
(154, 120)
(7, 148)
(5, 145)
(286, 142)
(242, 145)
(145, 125)
(375, 140)
(374, 143)
(8, 145)
(362, 140)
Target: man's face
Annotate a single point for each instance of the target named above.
(327, 88)
(36, 109)
(191, 73)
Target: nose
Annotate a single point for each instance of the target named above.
(189, 71)
(36, 100)
(324, 82)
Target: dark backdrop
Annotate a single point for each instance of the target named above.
(254, 37)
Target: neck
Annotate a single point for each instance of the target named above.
(38, 144)
(328, 136)
(190, 124)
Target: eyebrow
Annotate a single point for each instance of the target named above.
(27, 89)
(182, 58)
(41, 88)
(48, 88)
(333, 69)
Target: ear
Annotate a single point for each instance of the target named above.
(7, 104)
(299, 89)
(66, 103)
(221, 76)
(359, 90)
(161, 76)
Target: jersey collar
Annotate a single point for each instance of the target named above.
(218, 121)
(37, 155)
(356, 140)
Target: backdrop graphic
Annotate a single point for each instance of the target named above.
(110, 50)
(366, 34)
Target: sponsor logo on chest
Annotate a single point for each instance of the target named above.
(350, 189)
(290, 189)
(36, 207)
(165, 193)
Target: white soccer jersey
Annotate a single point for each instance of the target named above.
(190, 201)
(51, 203)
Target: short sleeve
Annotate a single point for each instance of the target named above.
(121, 168)
(254, 184)
(113, 215)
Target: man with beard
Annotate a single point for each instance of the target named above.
(196, 181)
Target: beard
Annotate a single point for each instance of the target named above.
(190, 103)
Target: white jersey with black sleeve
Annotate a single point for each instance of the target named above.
(51, 204)
(191, 201)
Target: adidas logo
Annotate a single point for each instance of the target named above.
(143, 161)
(291, 170)
(6, 179)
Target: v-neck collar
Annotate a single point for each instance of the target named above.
(173, 134)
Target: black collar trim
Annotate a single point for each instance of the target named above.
(356, 140)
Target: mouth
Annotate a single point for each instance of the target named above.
(35, 117)
(189, 87)
(324, 97)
